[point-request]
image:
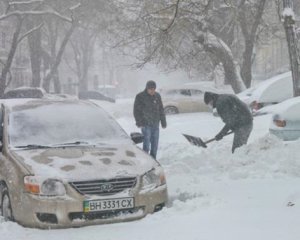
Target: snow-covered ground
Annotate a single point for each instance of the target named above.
(213, 194)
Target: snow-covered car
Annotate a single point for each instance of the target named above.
(25, 92)
(67, 163)
(95, 95)
(286, 120)
(271, 91)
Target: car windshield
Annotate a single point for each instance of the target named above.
(60, 124)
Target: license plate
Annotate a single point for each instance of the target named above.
(108, 204)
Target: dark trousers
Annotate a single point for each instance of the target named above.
(241, 136)
(151, 136)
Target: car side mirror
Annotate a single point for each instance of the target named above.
(137, 137)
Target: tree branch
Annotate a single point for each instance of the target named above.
(174, 17)
(29, 32)
(35, 13)
(26, 2)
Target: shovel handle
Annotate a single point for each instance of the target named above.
(213, 139)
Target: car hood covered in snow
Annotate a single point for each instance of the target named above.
(86, 163)
(272, 90)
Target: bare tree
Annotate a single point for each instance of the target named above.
(165, 33)
(95, 17)
(11, 10)
(56, 33)
(249, 27)
(35, 50)
(55, 59)
(16, 13)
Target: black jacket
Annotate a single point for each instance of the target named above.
(234, 113)
(148, 110)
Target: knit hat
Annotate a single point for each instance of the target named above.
(210, 96)
(150, 84)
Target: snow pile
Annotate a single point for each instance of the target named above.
(267, 157)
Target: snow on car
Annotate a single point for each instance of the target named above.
(286, 119)
(67, 163)
(271, 91)
(213, 194)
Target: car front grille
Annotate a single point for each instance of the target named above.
(136, 212)
(104, 187)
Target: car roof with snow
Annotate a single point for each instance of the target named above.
(290, 108)
(272, 90)
(31, 102)
(192, 86)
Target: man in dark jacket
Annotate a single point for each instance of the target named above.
(234, 113)
(148, 113)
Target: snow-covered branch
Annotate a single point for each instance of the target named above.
(26, 2)
(174, 17)
(75, 6)
(35, 13)
(288, 12)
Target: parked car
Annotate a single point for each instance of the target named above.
(25, 92)
(271, 91)
(108, 90)
(61, 96)
(183, 99)
(66, 163)
(189, 97)
(286, 120)
(94, 95)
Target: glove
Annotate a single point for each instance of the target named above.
(219, 136)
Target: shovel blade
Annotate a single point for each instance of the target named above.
(195, 140)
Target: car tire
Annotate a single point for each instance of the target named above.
(6, 209)
(171, 110)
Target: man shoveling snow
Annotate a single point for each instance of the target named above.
(235, 114)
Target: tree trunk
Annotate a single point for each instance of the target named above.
(10, 57)
(221, 53)
(249, 33)
(35, 50)
(83, 46)
(54, 67)
(246, 68)
(289, 25)
(56, 81)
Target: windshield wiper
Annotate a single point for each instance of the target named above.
(33, 146)
(71, 143)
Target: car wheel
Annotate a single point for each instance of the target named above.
(6, 210)
(171, 110)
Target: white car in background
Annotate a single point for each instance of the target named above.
(271, 91)
(286, 119)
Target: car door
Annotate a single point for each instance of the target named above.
(186, 104)
(179, 98)
(198, 104)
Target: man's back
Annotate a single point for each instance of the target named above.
(233, 111)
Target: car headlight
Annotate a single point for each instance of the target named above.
(44, 186)
(153, 178)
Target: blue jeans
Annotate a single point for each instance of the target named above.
(151, 136)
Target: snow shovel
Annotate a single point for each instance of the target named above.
(198, 141)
